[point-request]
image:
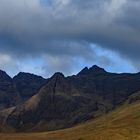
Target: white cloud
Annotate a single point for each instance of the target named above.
(31, 28)
(8, 64)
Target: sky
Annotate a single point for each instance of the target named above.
(46, 36)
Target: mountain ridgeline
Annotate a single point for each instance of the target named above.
(32, 103)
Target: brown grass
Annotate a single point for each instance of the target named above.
(122, 124)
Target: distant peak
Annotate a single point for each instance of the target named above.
(58, 74)
(2, 72)
(57, 78)
(21, 73)
(83, 71)
(4, 75)
(26, 75)
(93, 70)
(97, 69)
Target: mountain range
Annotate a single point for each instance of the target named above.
(31, 103)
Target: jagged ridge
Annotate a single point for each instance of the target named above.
(66, 101)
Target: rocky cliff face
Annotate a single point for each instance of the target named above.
(66, 101)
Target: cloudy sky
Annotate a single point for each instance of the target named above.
(45, 36)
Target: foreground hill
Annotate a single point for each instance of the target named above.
(66, 101)
(121, 124)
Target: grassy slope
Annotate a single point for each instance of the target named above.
(122, 124)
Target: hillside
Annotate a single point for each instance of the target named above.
(121, 124)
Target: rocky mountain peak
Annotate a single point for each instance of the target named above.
(83, 71)
(28, 84)
(58, 75)
(55, 82)
(4, 76)
(24, 75)
(96, 69)
(93, 70)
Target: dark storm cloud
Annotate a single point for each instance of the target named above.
(66, 29)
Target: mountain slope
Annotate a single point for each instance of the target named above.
(66, 101)
(28, 84)
(15, 90)
(9, 95)
(121, 124)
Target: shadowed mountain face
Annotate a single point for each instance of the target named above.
(20, 88)
(66, 101)
(8, 93)
(28, 84)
